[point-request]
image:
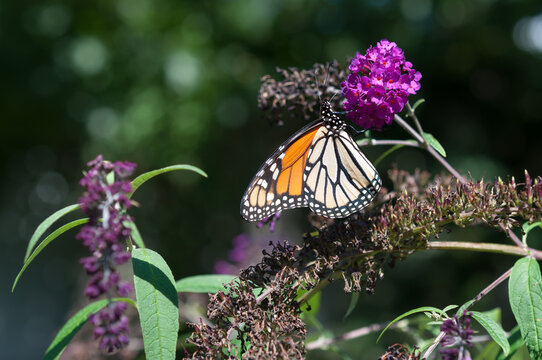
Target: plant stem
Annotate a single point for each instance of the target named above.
(433, 345)
(480, 247)
(419, 138)
(490, 287)
(323, 342)
(431, 245)
(374, 142)
(413, 116)
(511, 235)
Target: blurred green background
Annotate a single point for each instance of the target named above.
(165, 82)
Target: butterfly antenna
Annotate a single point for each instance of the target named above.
(327, 77)
(317, 86)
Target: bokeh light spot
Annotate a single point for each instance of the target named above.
(52, 188)
(527, 34)
(182, 70)
(102, 123)
(88, 56)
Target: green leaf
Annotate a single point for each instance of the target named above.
(463, 307)
(135, 235)
(310, 307)
(211, 283)
(528, 227)
(61, 230)
(408, 313)
(157, 304)
(430, 139)
(447, 308)
(45, 225)
(525, 295)
(353, 302)
(73, 325)
(138, 181)
(493, 329)
(515, 342)
(417, 103)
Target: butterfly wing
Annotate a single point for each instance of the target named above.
(339, 180)
(279, 183)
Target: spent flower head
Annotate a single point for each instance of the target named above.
(105, 202)
(379, 85)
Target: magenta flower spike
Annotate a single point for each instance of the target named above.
(105, 202)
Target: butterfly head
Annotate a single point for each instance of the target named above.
(329, 116)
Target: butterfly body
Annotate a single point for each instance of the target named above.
(319, 167)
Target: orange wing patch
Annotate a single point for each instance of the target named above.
(293, 163)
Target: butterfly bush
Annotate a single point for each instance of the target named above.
(105, 203)
(379, 85)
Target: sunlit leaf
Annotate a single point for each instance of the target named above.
(45, 225)
(61, 230)
(157, 304)
(408, 313)
(207, 284)
(434, 143)
(493, 329)
(138, 181)
(73, 325)
(525, 296)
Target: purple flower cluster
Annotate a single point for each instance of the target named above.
(458, 336)
(111, 325)
(379, 85)
(105, 203)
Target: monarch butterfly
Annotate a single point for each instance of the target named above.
(320, 166)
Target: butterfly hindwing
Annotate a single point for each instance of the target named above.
(339, 178)
(279, 184)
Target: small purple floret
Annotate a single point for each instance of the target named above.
(379, 85)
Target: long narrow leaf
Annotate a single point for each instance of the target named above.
(493, 329)
(434, 143)
(408, 313)
(157, 304)
(515, 341)
(353, 302)
(45, 225)
(138, 181)
(210, 283)
(73, 325)
(525, 296)
(463, 307)
(61, 230)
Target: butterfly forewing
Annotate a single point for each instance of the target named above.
(278, 184)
